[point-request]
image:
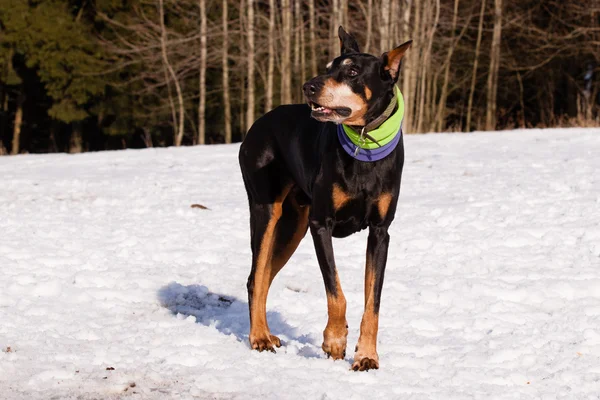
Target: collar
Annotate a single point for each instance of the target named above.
(378, 138)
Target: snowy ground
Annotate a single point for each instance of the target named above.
(492, 289)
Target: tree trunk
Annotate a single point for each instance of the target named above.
(334, 23)
(369, 18)
(16, 141)
(53, 147)
(271, 57)
(250, 52)
(76, 141)
(384, 34)
(408, 68)
(4, 106)
(163, 47)
(286, 14)
(343, 15)
(394, 28)
(521, 101)
(296, 62)
(425, 102)
(312, 37)
(225, 65)
(302, 50)
(474, 73)
(171, 102)
(441, 111)
(203, 53)
(492, 82)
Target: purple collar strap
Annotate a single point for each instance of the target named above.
(367, 155)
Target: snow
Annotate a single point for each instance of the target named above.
(492, 288)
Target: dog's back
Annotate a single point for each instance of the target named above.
(288, 141)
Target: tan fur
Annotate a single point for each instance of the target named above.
(336, 331)
(383, 204)
(366, 355)
(395, 56)
(339, 197)
(259, 330)
(282, 258)
(368, 93)
(336, 95)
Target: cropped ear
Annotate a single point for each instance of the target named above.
(391, 59)
(347, 42)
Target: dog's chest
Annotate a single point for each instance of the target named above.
(354, 210)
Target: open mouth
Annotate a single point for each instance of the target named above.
(319, 111)
(319, 108)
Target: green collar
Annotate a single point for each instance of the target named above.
(382, 135)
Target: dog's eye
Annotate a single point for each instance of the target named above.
(352, 72)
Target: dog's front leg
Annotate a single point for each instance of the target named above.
(366, 356)
(336, 331)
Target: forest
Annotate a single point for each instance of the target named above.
(90, 75)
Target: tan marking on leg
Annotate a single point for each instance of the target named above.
(383, 204)
(339, 197)
(301, 227)
(260, 336)
(336, 332)
(366, 350)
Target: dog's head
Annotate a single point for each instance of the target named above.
(356, 87)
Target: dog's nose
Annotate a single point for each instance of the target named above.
(309, 88)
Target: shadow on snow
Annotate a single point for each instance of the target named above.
(228, 315)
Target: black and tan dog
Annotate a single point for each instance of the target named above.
(298, 176)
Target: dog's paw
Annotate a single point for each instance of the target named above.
(335, 340)
(335, 349)
(264, 342)
(365, 364)
(365, 360)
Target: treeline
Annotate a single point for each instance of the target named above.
(84, 75)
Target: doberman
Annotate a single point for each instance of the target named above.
(299, 175)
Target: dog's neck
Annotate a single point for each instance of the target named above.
(379, 112)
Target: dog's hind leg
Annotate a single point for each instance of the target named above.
(277, 229)
(263, 223)
(291, 228)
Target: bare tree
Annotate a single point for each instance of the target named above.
(178, 134)
(76, 139)
(203, 54)
(409, 66)
(225, 75)
(302, 48)
(16, 140)
(441, 109)
(286, 73)
(368, 13)
(334, 23)
(474, 74)
(271, 57)
(250, 53)
(296, 60)
(384, 26)
(492, 82)
(312, 38)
